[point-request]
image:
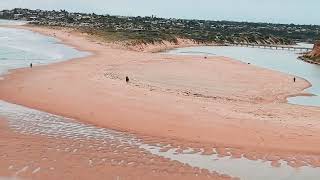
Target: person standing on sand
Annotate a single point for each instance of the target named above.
(30, 65)
(127, 79)
(294, 79)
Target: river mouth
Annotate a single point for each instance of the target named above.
(282, 60)
(28, 121)
(19, 48)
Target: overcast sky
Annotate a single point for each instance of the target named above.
(276, 11)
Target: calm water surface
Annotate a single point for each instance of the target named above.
(19, 48)
(280, 60)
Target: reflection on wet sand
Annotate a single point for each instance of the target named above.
(80, 138)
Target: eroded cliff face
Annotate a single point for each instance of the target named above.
(315, 53)
(313, 56)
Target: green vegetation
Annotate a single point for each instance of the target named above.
(153, 29)
(132, 37)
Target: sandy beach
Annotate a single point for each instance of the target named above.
(185, 101)
(40, 157)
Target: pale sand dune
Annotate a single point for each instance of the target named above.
(182, 100)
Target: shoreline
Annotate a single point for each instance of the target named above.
(30, 156)
(312, 57)
(187, 107)
(308, 60)
(148, 48)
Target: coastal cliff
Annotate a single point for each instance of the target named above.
(314, 55)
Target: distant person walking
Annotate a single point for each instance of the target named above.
(127, 79)
(294, 79)
(31, 65)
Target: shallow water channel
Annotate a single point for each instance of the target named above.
(285, 61)
(34, 122)
(17, 51)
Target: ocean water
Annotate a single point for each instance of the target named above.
(19, 48)
(285, 61)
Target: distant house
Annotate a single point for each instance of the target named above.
(32, 18)
(17, 16)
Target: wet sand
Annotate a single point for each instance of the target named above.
(186, 101)
(40, 157)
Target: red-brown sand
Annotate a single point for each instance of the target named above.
(184, 100)
(40, 157)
